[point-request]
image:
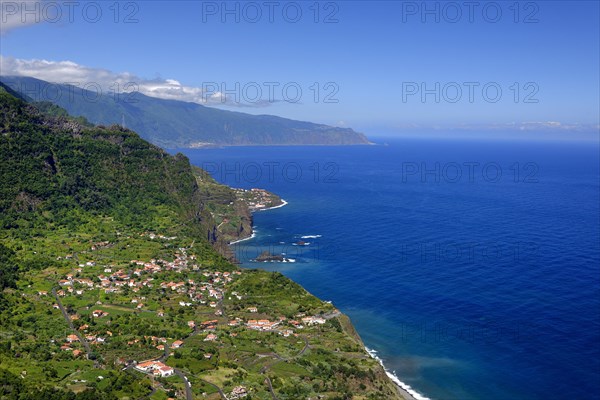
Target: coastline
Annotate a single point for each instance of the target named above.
(404, 390)
(283, 203)
(244, 239)
(253, 235)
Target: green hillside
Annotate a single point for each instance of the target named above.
(173, 124)
(111, 287)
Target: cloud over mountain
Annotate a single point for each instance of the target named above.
(100, 79)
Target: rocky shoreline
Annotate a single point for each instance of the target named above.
(248, 202)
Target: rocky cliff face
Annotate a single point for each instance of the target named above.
(227, 212)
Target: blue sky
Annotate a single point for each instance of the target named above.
(374, 58)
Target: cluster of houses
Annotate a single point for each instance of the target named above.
(71, 339)
(272, 326)
(89, 337)
(113, 281)
(257, 199)
(262, 324)
(313, 320)
(208, 325)
(238, 392)
(69, 283)
(155, 368)
(67, 347)
(153, 236)
(209, 292)
(99, 313)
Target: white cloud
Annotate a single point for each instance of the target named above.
(18, 14)
(68, 72)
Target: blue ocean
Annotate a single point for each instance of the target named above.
(470, 268)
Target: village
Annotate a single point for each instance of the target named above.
(259, 199)
(207, 291)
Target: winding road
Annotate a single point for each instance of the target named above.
(280, 359)
(188, 387)
(216, 387)
(81, 338)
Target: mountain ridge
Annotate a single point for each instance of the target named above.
(178, 124)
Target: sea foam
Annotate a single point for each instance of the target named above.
(395, 379)
(283, 203)
(248, 238)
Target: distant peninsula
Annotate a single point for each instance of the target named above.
(175, 124)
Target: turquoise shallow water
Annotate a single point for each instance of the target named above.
(476, 279)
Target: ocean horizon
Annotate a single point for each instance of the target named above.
(470, 268)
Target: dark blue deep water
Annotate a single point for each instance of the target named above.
(472, 268)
